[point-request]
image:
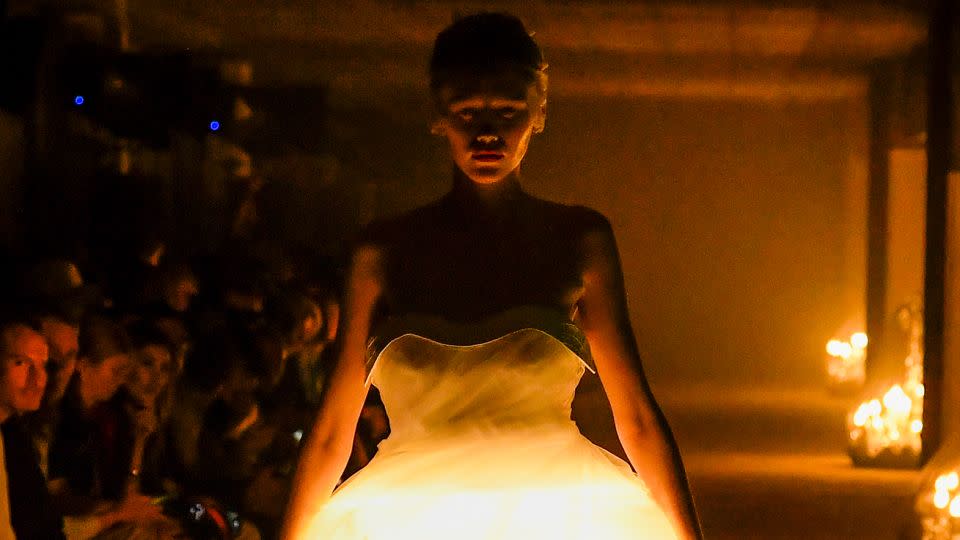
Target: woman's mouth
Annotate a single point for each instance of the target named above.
(486, 157)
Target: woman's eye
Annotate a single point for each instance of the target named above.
(507, 113)
(465, 115)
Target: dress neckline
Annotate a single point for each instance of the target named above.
(548, 320)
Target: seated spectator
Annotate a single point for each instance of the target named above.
(102, 367)
(77, 457)
(301, 325)
(205, 372)
(54, 295)
(133, 431)
(297, 319)
(171, 288)
(25, 507)
(218, 432)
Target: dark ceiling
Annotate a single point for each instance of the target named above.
(793, 49)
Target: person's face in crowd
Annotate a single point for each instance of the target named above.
(376, 419)
(153, 254)
(150, 373)
(331, 316)
(312, 324)
(103, 379)
(23, 374)
(488, 122)
(246, 301)
(62, 341)
(179, 292)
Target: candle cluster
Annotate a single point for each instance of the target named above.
(891, 423)
(886, 429)
(939, 507)
(846, 361)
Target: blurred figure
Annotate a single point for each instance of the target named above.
(102, 367)
(175, 287)
(216, 401)
(77, 457)
(57, 287)
(62, 341)
(220, 434)
(135, 418)
(297, 318)
(372, 428)
(55, 296)
(297, 322)
(132, 438)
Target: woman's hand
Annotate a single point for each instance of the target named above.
(134, 508)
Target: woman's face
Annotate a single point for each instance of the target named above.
(488, 122)
(150, 373)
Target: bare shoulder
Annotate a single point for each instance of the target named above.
(588, 228)
(574, 219)
(595, 242)
(589, 221)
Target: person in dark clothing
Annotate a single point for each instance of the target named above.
(101, 369)
(78, 458)
(32, 512)
(26, 501)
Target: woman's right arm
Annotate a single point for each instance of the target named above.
(326, 450)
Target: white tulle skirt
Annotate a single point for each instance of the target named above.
(530, 483)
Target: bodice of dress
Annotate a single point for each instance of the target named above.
(516, 370)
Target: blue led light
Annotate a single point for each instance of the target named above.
(78, 100)
(214, 126)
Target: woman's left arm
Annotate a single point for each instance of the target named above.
(641, 426)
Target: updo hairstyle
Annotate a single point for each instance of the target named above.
(485, 44)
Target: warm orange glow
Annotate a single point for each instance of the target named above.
(941, 499)
(846, 362)
(939, 506)
(892, 422)
(955, 507)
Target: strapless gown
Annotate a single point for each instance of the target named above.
(481, 444)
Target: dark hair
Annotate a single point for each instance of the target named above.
(483, 44)
(14, 319)
(145, 332)
(102, 337)
(287, 312)
(220, 351)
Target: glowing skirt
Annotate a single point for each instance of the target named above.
(544, 482)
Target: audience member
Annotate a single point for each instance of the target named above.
(26, 511)
(166, 396)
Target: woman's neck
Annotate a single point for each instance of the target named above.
(490, 196)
